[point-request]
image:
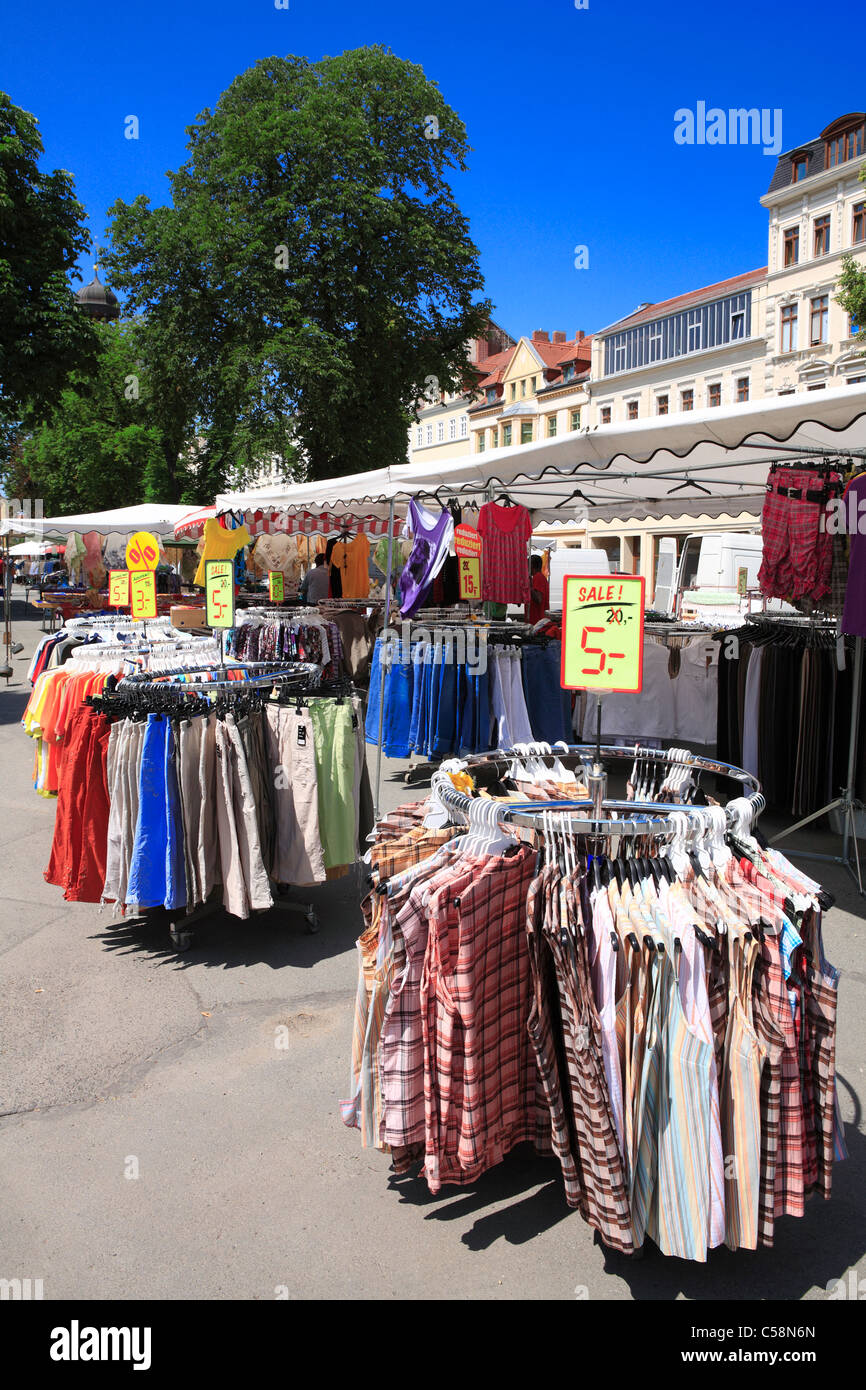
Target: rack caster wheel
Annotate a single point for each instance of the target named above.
(181, 940)
(312, 924)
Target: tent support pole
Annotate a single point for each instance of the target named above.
(381, 663)
(847, 802)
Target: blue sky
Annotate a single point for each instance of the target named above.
(570, 113)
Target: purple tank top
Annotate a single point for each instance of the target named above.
(428, 554)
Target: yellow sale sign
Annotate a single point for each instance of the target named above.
(602, 632)
(118, 588)
(277, 585)
(142, 592)
(220, 593)
(470, 577)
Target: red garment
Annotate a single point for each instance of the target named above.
(79, 847)
(505, 532)
(798, 556)
(540, 598)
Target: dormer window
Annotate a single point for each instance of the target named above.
(844, 145)
(799, 168)
(491, 394)
(568, 371)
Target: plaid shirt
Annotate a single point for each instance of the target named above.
(406, 817)
(479, 1067)
(393, 856)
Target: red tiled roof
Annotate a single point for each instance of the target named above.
(667, 306)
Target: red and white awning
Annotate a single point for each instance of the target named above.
(191, 526)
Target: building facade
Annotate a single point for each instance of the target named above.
(441, 427)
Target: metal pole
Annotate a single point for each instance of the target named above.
(381, 661)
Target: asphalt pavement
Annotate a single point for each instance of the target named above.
(170, 1128)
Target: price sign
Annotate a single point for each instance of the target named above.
(470, 577)
(467, 541)
(602, 632)
(142, 589)
(742, 581)
(276, 585)
(142, 551)
(118, 588)
(220, 593)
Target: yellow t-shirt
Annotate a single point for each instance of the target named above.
(220, 544)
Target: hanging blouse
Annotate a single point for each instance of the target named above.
(433, 535)
(352, 560)
(505, 532)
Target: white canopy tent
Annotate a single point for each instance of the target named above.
(663, 466)
(159, 518)
(34, 549)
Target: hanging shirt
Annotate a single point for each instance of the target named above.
(352, 559)
(433, 535)
(505, 532)
(219, 544)
(279, 553)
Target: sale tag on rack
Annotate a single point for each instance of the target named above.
(142, 551)
(470, 577)
(220, 593)
(467, 541)
(118, 588)
(276, 586)
(602, 632)
(142, 593)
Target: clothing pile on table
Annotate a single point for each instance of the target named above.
(158, 809)
(664, 1026)
(465, 693)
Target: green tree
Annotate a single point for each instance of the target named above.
(42, 335)
(101, 444)
(852, 291)
(314, 270)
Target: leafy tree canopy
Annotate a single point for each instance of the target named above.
(42, 233)
(313, 270)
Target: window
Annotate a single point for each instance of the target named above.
(464, 426)
(452, 427)
(481, 441)
(575, 419)
(568, 371)
(440, 431)
(526, 431)
(848, 145)
(858, 222)
(619, 357)
(819, 387)
(799, 168)
(523, 387)
(419, 436)
(551, 426)
(714, 393)
(789, 328)
(856, 380)
(506, 436)
(738, 324)
(514, 390)
(491, 394)
(655, 342)
(742, 388)
(632, 410)
(687, 399)
(818, 318)
(822, 236)
(534, 385)
(792, 246)
(429, 434)
(786, 391)
(494, 438)
(661, 405)
(605, 414)
(694, 328)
